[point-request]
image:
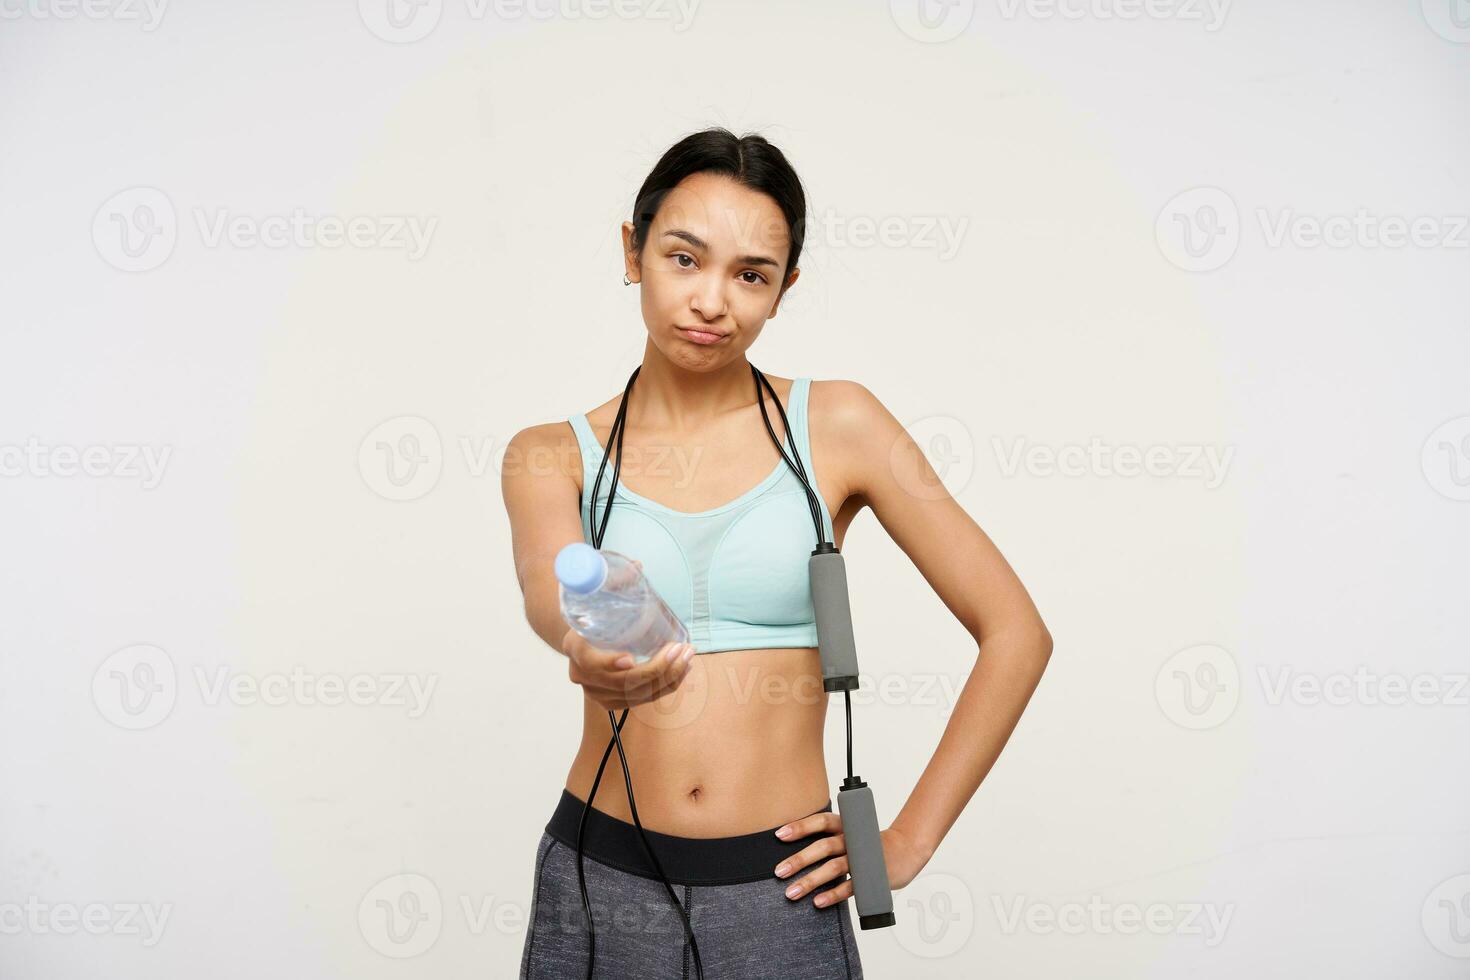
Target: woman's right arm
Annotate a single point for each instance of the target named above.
(541, 499)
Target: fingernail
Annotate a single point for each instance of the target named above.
(820, 900)
(688, 655)
(784, 832)
(624, 661)
(783, 871)
(793, 891)
(673, 653)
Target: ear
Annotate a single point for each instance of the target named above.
(790, 281)
(630, 258)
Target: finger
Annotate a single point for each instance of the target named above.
(821, 874)
(833, 895)
(610, 661)
(824, 821)
(663, 664)
(822, 849)
(673, 680)
(664, 676)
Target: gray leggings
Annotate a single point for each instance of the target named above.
(746, 927)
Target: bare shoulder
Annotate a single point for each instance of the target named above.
(543, 450)
(851, 428)
(844, 406)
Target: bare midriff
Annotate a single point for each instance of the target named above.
(735, 749)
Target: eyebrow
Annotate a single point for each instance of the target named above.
(698, 242)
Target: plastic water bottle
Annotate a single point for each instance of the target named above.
(606, 598)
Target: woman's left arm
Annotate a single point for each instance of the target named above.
(888, 472)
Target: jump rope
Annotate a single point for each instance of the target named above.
(828, 575)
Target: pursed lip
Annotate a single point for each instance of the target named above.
(717, 333)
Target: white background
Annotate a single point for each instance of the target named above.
(1175, 765)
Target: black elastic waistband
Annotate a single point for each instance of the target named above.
(685, 860)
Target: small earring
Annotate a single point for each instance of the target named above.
(626, 280)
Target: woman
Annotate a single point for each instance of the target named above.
(725, 748)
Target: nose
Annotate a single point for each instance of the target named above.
(708, 299)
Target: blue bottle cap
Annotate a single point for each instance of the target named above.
(580, 567)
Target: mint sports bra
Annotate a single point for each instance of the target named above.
(736, 574)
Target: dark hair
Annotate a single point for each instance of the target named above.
(750, 160)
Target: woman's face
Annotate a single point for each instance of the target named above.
(710, 270)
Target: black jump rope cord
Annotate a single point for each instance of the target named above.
(616, 435)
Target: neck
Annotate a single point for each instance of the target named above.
(668, 397)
